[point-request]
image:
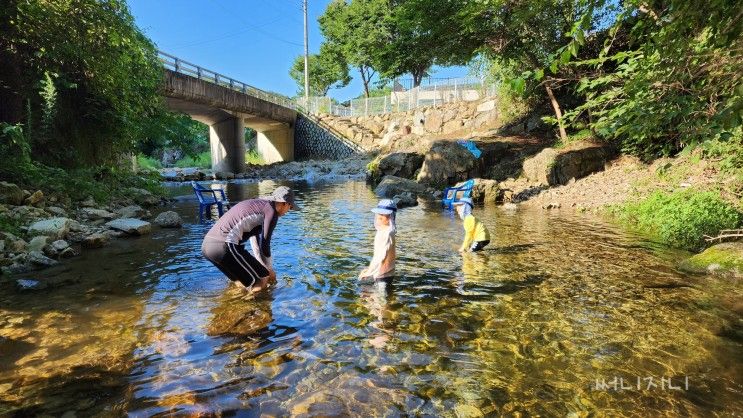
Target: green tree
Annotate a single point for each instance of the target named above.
(327, 69)
(89, 57)
(357, 32)
(678, 82)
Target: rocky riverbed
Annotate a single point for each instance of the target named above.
(49, 230)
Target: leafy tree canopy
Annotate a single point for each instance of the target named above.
(327, 69)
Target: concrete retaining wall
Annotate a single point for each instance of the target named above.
(313, 142)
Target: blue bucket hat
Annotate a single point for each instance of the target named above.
(385, 207)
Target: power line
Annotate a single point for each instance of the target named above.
(224, 36)
(257, 29)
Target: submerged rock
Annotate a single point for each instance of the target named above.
(392, 186)
(406, 199)
(721, 258)
(131, 226)
(168, 219)
(54, 228)
(29, 284)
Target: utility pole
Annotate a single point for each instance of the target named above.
(306, 59)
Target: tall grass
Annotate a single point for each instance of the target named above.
(682, 218)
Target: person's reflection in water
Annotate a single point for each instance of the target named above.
(233, 316)
(475, 270)
(375, 297)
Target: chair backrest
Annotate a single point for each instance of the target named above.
(199, 190)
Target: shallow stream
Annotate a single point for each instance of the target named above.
(562, 315)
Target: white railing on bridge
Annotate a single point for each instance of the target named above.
(431, 92)
(178, 65)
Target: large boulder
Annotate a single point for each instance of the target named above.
(557, 166)
(399, 164)
(446, 163)
(11, 194)
(485, 190)
(55, 228)
(168, 219)
(130, 226)
(392, 186)
(721, 258)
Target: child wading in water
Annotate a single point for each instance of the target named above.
(382, 264)
(476, 235)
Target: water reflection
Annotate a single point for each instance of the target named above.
(555, 302)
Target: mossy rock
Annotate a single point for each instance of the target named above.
(720, 258)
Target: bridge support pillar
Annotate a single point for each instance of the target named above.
(227, 143)
(276, 145)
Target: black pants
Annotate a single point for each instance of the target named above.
(234, 261)
(478, 245)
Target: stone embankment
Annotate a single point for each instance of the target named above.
(49, 230)
(392, 131)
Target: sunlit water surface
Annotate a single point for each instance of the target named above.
(541, 323)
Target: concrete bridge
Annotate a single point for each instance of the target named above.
(228, 106)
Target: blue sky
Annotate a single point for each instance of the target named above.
(254, 41)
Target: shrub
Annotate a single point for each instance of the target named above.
(201, 160)
(253, 157)
(102, 183)
(148, 163)
(681, 219)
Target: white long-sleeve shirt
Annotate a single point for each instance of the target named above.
(383, 262)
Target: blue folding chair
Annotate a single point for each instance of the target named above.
(208, 198)
(451, 194)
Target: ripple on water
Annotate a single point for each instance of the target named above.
(557, 304)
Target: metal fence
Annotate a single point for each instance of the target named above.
(431, 92)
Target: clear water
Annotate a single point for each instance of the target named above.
(558, 305)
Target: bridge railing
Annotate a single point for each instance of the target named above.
(178, 65)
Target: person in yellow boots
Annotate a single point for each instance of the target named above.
(476, 235)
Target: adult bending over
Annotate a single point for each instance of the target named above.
(251, 220)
